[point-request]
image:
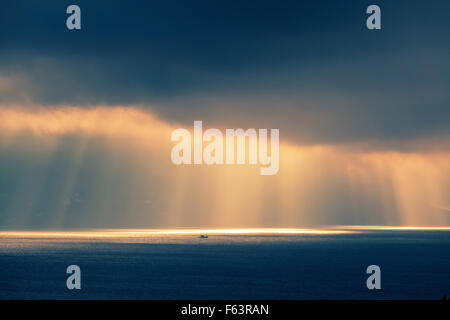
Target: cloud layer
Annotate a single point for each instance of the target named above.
(310, 68)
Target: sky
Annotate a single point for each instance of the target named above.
(86, 115)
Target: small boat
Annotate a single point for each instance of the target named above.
(203, 236)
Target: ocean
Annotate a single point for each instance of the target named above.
(324, 263)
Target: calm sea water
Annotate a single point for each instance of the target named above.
(415, 264)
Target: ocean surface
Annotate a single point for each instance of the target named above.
(324, 263)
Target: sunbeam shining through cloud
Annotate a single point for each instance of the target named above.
(110, 167)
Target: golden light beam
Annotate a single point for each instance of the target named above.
(313, 184)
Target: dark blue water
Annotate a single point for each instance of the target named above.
(414, 265)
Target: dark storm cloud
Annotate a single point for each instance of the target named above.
(310, 68)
